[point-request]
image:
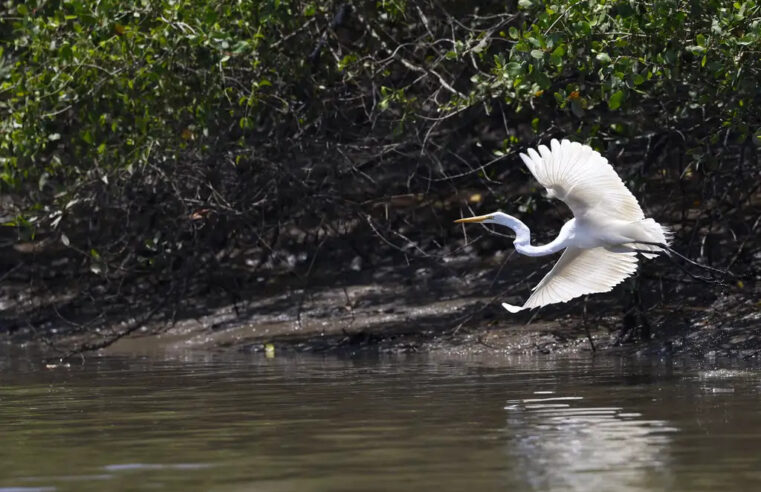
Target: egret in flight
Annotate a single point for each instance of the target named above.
(603, 239)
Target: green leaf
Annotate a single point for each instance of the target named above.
(615, 100)
(556, 58)
(513, 69)
(538, 54)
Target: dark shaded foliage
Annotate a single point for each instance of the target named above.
(154, 154)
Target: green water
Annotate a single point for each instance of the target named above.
(245, 422)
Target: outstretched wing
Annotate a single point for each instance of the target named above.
(583, 179)
(579, 272)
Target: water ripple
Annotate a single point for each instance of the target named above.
(558, 444)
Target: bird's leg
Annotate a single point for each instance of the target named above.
(707, 280)
(672, 251)
(586, 326)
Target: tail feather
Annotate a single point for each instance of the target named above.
(652, 232)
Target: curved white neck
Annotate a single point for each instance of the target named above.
(522, 241)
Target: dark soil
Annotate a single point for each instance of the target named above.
(453, 308)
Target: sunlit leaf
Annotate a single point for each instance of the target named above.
(615, 100)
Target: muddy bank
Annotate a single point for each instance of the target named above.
(428, 309)
(466, 325)
(450, 305)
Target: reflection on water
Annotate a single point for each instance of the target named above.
(210, 422)
(585, 447)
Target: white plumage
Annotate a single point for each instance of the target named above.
(583, 179)
(601, 241)
(579, 272)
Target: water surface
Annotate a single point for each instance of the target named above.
(212, 422)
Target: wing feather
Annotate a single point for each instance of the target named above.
(579, 272)
(583, 179)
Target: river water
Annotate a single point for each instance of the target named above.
(303, 423)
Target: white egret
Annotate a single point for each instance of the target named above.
(603, 239)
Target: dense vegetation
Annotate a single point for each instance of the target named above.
(152, 151)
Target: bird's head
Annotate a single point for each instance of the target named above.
(500, 218)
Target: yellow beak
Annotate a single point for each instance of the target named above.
(478, 218)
